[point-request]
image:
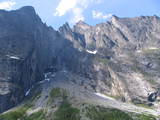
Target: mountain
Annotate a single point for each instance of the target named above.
(80, 73)
(28, 48)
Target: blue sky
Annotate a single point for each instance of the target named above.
(57, 12)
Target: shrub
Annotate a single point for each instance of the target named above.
(67, 112)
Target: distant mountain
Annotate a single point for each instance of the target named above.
(112, 68)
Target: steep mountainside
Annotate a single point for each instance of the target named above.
(112, 64)
(27, 49)
(124, 55)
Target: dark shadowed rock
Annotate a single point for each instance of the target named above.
(27, 48)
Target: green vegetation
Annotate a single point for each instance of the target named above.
(144, 105)
(67, 112)
(153, 82)
(15, 114)
(20, 114)
(36, 116)
(35, 94)
(118, 97)
(145, 117)
(103, 60)
(35, 97)
(58, 93)
(100, 113)
(55, 92)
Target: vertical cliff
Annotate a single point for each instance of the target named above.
(27, 49)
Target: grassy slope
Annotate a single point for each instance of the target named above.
(66, 111)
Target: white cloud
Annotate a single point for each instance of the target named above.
(76, 7)
(65, 6)
(100, 15)
(77, 15)
(7, 5)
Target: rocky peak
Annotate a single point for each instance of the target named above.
(25, 16)
(27, 9)
(30, 13)
(114, 17)
(81, 27)
(65, 28)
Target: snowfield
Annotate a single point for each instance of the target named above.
(92, 52)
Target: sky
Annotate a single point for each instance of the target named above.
(57, 12)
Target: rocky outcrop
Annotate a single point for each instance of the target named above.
(119, 58)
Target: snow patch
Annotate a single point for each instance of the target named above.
(53, 75)
(40, 82)
(65, 71)
(92, 52)
(27, 93)
(103, 96)
(139, 51)
(46, 75)
(13, 57)
(47, 79)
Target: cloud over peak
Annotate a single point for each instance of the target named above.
(76, 7)
(7, 5)
(100, 15)
(65, 6)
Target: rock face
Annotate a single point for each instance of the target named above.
(122, 55)
(27, 48)
(118, 58)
